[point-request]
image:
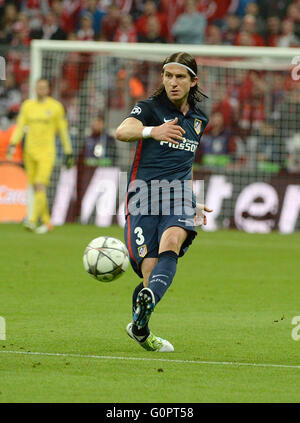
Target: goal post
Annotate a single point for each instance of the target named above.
(155, 52)
(251, 167)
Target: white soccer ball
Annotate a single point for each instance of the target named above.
(105, 258)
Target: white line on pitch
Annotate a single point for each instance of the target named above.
(164, 360)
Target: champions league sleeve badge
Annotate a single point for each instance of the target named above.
(136, 110)
(197, 126)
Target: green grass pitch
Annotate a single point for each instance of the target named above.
(228, 314)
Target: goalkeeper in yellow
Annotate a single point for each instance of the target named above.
(41, 118)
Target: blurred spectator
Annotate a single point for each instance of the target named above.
(99, 150)
(273, 31)
(273, 8)
(18, 60)
(69, 15)
(136, 89)
(269, 150)
(213, 35)
(293, 150)
(133, 7)
(119, 97)
(9, 18)
(293, 14)
(242, 7)
(277, 92)
(287, 127)
(288, 37)
(110, 23)
(86, 31)
(231, 29)
(34, 7)
(172, 9)
(252, 107)
(21, 32)
(244, 38)
(126, 32)
(153, 32)
(249, 26)
(190, 27)
(2, 5)
(36, 21)
(72, 36)
(63, 16)
(216, 11)
(72, 106)
(6, 134)
(117, 92)
(229, 107)
(253, 9)
(10, 96)
(57, 9)
(99, 147)
(217, 143)
(297, 4)
(97, 95)
(150, 10)
(74, 69)
(96, 13)
(35, 10)
(50, 30)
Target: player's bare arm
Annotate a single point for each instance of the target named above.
(131, 129)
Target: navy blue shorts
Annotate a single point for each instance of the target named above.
(143, 234)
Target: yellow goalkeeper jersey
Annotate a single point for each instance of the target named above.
(41, 121)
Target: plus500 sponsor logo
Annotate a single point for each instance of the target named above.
(186, 145)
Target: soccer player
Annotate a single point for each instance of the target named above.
(168, 127)
(42, 117)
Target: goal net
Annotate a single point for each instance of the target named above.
(249, 155)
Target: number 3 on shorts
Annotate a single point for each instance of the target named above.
(139, 235)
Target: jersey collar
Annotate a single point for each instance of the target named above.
(168, 103)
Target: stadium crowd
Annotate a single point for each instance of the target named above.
(234, 22)
(230, 22)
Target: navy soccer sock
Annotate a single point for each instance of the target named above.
(143, 332)
(163, 274)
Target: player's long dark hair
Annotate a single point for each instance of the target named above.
(195, 95)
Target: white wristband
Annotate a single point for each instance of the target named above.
(147, 131)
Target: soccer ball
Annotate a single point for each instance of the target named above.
(105, 258)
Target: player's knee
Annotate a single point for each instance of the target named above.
(172, 243)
